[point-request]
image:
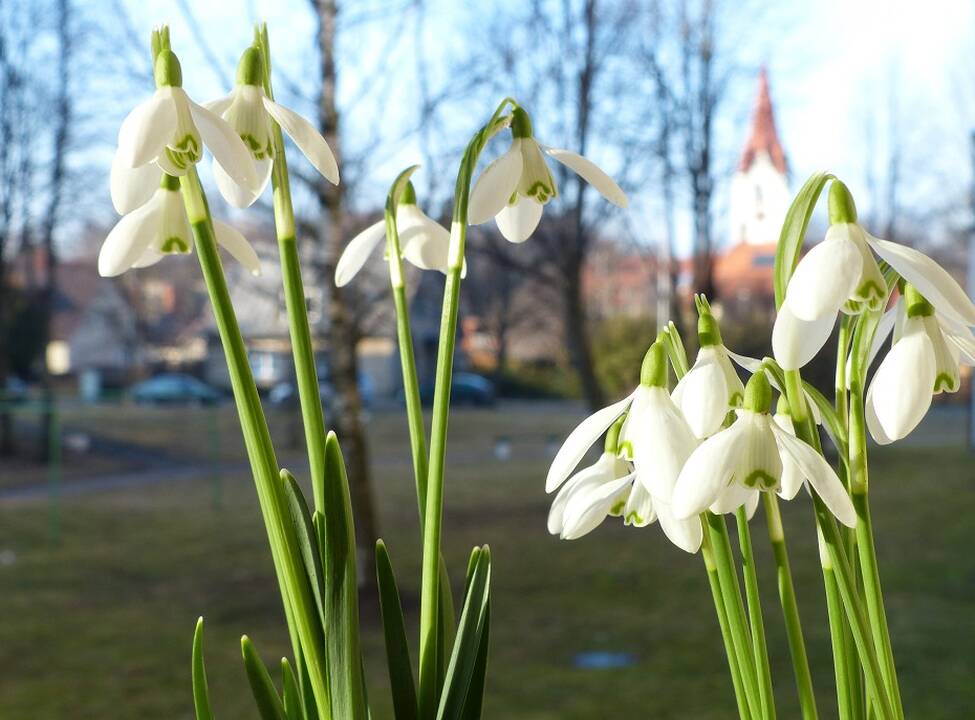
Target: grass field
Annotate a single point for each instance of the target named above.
(98, 624)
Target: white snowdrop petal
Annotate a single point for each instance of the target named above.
(586, 511)
(826, 277)
(227, 147)
(792, 478)
(235, 194)
(820, 475)
(731, 498)
(638, 510)
(795, 342)
(307, 138)
(518, 221)
(707, 472)
(148, 258)
(131, 187)
(358, 251)
(146, 130)
(592, 174)
(903, 385)
(931, 280)
(751, 504)
(495, 186)
(236, 244)
(947, 371)
(702, 395)
(220, 105)
(579, 441)
(423, 242)
(662, 441)
(128, 240)
(759, 463)
(587, 478)
(686, 534)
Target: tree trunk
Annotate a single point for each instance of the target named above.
(346, 414)
(577, 337)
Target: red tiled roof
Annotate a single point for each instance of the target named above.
(763, 137)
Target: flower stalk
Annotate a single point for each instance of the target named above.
(762, 670)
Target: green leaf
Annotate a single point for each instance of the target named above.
(292, 693)
(341, 590)
(401, 680)
(268, 703)
(446, 621)
(794, 231)
(201, 693)
(474, 702)
(834, 426)
(473, 622)
(307, 539)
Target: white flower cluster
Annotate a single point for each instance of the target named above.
(163, 137)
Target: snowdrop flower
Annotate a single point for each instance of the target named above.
(840, 273)
(167, 133)
(656, 437)
(711, 388)
(250, 112)
(514, 188)
(605, 488)
(803, 326)
(730, 468)
(924, 361)
(160, 227)
(422, 241)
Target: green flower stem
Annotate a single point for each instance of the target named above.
(845, 695)
(737, 621)
(285, 549)
(759, 647)
(790, 608)
(433, 514)
(729, 644)
(859, 483)
(845, 580)
(303, 350)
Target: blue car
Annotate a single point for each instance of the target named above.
(174, 389)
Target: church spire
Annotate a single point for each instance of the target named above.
(763, 137)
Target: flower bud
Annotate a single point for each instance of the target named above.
(758, 393)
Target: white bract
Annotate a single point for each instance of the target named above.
(167, 133)
(250, 112)
(160, 227)
(929, 347)
(755, 454)
(423, 242)
(514, 188)
(711, 388)
(657, 439)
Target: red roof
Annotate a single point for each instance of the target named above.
(763, 137)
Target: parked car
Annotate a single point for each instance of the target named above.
(466, 389)
(174, 389)
(286, 393)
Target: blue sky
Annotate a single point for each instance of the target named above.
(849, 77)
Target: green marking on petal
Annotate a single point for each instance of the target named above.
(871, 293)
(736, 399)
(626, 449)
(634, 518)
(945, 383)
(617, 509)
(541, 192)
(760, 479)
(175, 246)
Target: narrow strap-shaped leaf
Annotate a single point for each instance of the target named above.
(469, 632)
(307, 539)
(401, 680)
(293, 706)
(304, 683)
(447, 622)
(474, 702)
(833, 424)
(268, 703)
(341, 591)
(201, 693)
(794, 231)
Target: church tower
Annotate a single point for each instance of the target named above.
(760, 188)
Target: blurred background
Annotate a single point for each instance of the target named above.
(126, 505)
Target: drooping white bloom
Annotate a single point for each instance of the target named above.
(605, 488)
(160, 227)
(929, 348)
(657, 439)
(250, 112)
(423, 242)
(514, 188)
(711, 388)
(167, 133)
(752, 455)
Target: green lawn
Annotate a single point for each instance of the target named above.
(98, 625)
